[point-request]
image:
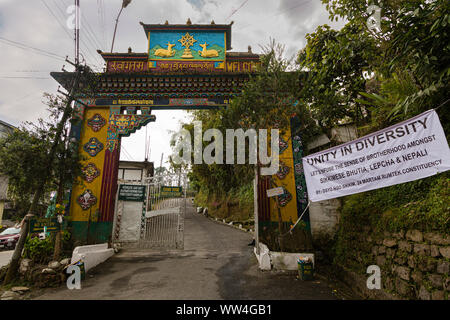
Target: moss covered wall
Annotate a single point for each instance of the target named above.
(403, 229)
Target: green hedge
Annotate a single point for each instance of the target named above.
(422, 204)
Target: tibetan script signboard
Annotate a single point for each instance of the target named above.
(136, 66)
(166, 103)
(128, 192)
(185, 66)
(408, 151)
(127, 66)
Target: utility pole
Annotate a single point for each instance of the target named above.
(14, 264)
(77, 32)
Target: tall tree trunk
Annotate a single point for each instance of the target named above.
(59, 198)
(256, 208)
(280, 224)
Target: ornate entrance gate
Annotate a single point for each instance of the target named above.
(187, 66)
(164, 224)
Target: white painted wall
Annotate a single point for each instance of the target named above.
(268, 260)
(132, 174)
(324, 217)
(92, 255)
(131, 221)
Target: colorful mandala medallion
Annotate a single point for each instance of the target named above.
(93, 147)
(96, 122)
(284, 198)
(283, 171)
(87, 199)
(90, 172)
(298, 168)
(298, 139)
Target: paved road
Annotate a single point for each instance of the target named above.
(5, 257)
(217, 263)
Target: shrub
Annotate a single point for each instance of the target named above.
(39, 250)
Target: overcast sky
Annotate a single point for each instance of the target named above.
(42, 25)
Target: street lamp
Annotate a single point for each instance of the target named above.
(125, 3)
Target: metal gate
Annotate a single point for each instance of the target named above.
(161, 222)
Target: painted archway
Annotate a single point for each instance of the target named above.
(186, 66)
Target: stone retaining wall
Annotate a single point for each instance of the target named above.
(415, 265)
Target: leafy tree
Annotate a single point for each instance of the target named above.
(24, 158)
(421, 46)
(22, 155)
(268, 99)
(412, 72)
(335, 62)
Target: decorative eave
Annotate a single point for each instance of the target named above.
(136, 56)
(242, 56)
(10, 126)
(204, 27)
(164, 84)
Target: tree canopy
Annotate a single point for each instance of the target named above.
(353, 75)
(24, 157)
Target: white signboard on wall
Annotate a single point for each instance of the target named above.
(275, 192)
(410, 150)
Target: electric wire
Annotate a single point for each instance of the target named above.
(236, 10)
(90, 50)
(443, 103)
(34, 49)
(90, 35)
(29, 71)
(126, 153)
(104, 9)
(57, 20)
(91, 32)
(148, 148)
(12, 77)
(145, 144)
(101, 21)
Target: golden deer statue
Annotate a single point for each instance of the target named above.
(207, 53)
(165, 52)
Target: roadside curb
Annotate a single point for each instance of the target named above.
(229, 224)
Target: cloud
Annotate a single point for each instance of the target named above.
(33, 24)
(197, 4)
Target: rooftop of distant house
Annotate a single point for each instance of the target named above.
(6, 124)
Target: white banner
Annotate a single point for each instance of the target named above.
(410, 150)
